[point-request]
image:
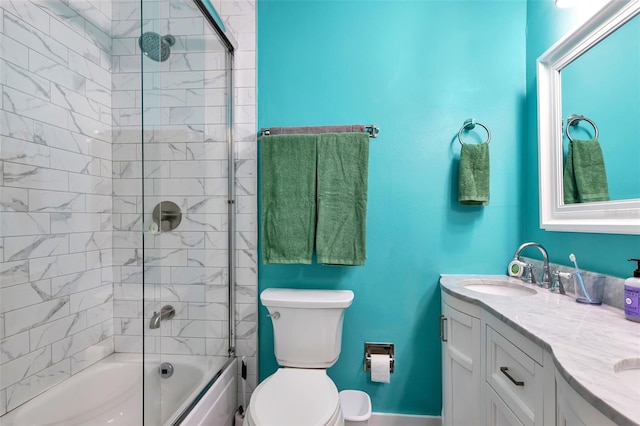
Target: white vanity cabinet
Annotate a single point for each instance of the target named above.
(514, 376)
(461, 362)
(573, 410)
(490, 371)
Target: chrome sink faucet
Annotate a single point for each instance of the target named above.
(545, 281)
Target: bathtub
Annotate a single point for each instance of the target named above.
(110, 392)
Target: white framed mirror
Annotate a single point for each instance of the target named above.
(619, 215)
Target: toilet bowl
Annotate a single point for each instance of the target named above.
(295, 397)
(307, 330)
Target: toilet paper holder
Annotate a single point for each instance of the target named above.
(379, 349)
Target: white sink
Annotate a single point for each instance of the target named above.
(498, 288)
(628, 371)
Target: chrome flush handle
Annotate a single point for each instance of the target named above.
(274, 316)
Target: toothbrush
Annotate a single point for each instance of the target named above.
(572, 257)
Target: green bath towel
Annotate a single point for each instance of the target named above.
(585, 177)
(343, 161)
(288, 164)
(473, 175)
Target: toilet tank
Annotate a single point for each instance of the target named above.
(307, 325)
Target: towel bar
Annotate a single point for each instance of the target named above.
(372, 129)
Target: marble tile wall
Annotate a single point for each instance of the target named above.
(56, 286)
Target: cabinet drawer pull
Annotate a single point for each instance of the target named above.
(515, 382)
(442, 328)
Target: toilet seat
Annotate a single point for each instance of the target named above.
(295, 397)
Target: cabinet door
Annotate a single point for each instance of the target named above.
(461, 379)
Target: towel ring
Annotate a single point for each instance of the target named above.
(573, 120)
(470, 124)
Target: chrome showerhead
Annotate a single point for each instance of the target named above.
(156, 47)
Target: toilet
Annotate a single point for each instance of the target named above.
(307, 329)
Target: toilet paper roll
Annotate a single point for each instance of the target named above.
(380, 368)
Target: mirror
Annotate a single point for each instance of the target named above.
(564, 88)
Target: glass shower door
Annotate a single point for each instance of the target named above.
(185, 120)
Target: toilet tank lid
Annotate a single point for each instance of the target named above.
(308, 299)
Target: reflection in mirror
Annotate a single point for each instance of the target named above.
(581, 74)
(603, 84)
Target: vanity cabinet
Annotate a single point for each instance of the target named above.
(490, 371)
(573, 410)
(461, 363)
(514, 373)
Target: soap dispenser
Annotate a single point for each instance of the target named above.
(632, 295)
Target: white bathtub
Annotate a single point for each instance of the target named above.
(110, 393)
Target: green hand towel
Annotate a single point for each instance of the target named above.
(473, 175)
(585, 177)
(343, 161)
(288, 164)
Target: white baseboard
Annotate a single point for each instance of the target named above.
(386, 419)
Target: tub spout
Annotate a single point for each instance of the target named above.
(166, 313)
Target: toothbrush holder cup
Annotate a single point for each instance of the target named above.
(593, 285)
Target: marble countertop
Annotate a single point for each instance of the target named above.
(585, 341)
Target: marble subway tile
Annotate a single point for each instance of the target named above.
(16, 126)
(22, 79)
(30, 387)
(217, 240)
(98, 93)
(75, 222)
(21, 248)
(56, 72)
(197, 275)
(100, 38)
(88, 184)
(197, 328)
(211, 204)
(183, 345)
(74, 283)
(63, 13)
(54, 331)
(14, 200)
(32, 107)
(80, 341)
(22, 152)
(37, 40)
(217, 311)
(84, 300)
(176, 187)
(12, 273)
(57, 137)
(56, 266)
(17, 223)
(92, 14)
(32, 316)
(23, 295)
(74, 101)
(89, 356)
(99, 314)
(182, 293)
(87, 241)
(165, 257)
(14, 346)
(29, 12)
(13, 51)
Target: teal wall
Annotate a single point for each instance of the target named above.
(417, 69)
(603, 253)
